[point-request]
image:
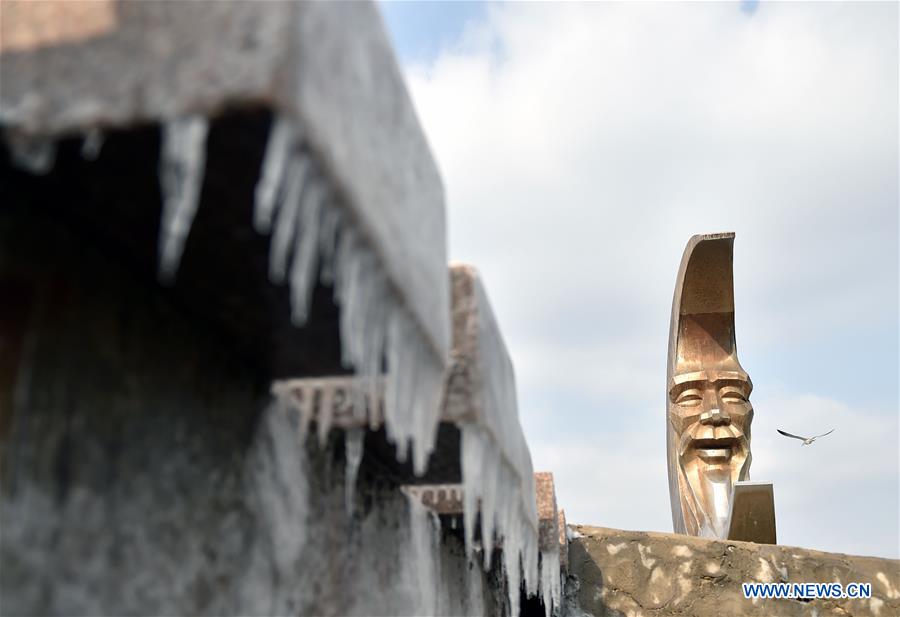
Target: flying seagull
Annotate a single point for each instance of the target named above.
(806, 440)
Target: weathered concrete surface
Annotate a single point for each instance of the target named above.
(548, 516)
(629, 573)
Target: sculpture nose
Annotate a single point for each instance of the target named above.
(715, 417)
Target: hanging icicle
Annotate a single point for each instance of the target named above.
(92, 144)
(181, 166)
(376, 329)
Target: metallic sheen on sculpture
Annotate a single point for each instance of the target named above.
(707, 392)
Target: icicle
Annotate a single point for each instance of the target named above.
(303, 266)
(92, 144)
(280, 145)
(353, 452)
(355, 294)
(511, 565)
(551, 583)
(375, 327)
(413, 389)
(471, 455)
(435, 527)
(34, 154)
(286, 223)
(328, 230)
(182, 162)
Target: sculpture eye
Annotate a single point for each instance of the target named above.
(733, 397)
(689, 398)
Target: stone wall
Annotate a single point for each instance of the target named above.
(630, 573)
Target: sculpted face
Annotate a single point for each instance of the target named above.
(710, 415)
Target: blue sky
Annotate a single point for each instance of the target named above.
(421, 30)
(578, 161)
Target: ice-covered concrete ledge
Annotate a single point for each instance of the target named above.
(480, 398)
(301, 102)
(630, 573)
(481, 450)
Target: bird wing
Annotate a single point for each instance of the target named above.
(789, 435)
(822, 435)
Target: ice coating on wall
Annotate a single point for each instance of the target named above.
(425, 538)
(497, 475)
(181, 166)
(496, 465)
(499, 413)
(353, 452)
(491, 483)
(309, 228)
(278, 474)
(551, 581)
(393, 560)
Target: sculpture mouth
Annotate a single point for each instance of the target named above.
(713, 444)
(715, 450)
(722, 442)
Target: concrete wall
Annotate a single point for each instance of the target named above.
(144, 473)
(630, 573)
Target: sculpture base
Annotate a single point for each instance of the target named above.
(752, 517)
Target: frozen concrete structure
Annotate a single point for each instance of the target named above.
(479, 481)
(302, 106)
(226, 327)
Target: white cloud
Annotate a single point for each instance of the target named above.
(583, 144)
(613, 481)
(841, 492)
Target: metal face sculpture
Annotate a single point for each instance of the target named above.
(707, 392)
